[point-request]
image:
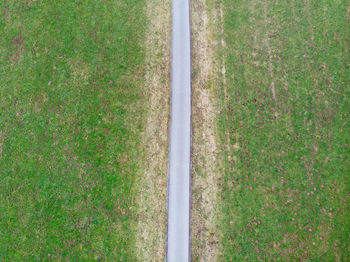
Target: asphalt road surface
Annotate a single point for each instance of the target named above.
(178, 246)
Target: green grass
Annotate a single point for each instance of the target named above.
(71, 107)
(286, 184)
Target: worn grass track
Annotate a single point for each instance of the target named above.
(151, 184)
(205, 165)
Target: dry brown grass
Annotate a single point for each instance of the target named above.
(151, 184)
(205, 172)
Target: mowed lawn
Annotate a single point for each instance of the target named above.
(284, 128)
(71, 107)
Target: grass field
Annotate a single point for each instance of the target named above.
(71, 109)
(83, 161)
(284, 130)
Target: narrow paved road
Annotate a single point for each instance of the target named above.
(178, 249)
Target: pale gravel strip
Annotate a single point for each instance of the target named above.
(206, 171)
(152, 180)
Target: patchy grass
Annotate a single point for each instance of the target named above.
(284, 117)
(71, 109)
(205, 172)
(151, 185)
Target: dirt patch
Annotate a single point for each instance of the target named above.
(18, 44)
(152, 182)
(205, 172)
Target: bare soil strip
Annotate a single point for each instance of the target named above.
(151, 187)
(205, 171)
